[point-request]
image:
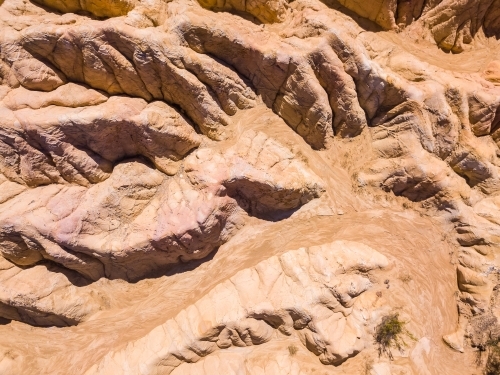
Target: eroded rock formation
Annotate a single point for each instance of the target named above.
(311, 293)
(159, 159)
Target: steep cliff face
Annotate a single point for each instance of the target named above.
(249, 187)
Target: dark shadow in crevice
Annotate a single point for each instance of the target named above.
(180, 267)
(211, 91)
(57, 12)
(495, 124)
(492, 32)
(33, 317)
(400, 19)
(491, 21)
(47, 59)
(256, 209)
(246, 80)
(52, 267)
(362, 22)
(413, 189)
(30, 314)
(73, 277)
(46, 8)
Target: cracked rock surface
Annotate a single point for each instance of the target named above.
(248, 187)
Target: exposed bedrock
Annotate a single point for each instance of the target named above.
(127, 60)
(318, 88)
(319, 294)
(303, 87)
(452, 24)
(157, 158)
(265, 11)
(138, 220)
(263, 176)
(81, 144)
(47, 295)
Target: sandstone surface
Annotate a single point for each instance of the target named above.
(249, 187)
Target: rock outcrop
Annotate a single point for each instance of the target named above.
(158, 159)
(138, 220)
(451, 24)
(312, 293)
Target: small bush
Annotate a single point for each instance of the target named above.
(493, 362)
(405, 278)
(492, 366)
(390, 333)
(292, 349)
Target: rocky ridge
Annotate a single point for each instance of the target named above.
(142, 141)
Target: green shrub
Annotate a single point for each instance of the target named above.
(390, 333)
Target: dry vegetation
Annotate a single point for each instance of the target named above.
(391, 333)
(292, 349)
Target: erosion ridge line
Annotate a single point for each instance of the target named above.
(138, 137)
